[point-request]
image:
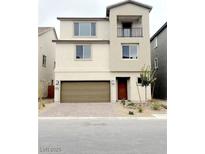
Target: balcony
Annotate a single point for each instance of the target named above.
(130, 32)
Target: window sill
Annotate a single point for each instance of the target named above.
(130, 36)
(129, 59)
(84, 36)
(83, 59)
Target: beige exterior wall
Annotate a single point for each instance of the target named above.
(66, 61)
(67, 30)
(47, 48)
(120, 64)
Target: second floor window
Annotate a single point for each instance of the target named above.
(155, 43)
(83, 52)
(155, 63)
(130, 51)
(44, 61)
(85, 29)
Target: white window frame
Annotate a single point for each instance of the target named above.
(83, 52)
(156, 65)
(155, 42)
(137, 44)
(90, 35)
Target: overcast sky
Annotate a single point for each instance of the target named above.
(49, 10)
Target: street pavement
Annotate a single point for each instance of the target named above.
(102, 136)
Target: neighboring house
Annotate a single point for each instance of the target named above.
(100, 59)
(159, 62)
(46, 58)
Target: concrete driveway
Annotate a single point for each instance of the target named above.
(80, 110)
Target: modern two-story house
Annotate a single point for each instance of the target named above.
(100, 59)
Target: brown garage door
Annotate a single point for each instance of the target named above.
(85, 91)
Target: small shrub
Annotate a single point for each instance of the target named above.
(156, 106)
(131, 113)
(130, 104)
(41, 104)
(123, 102)
(164, 106)
(140, 109)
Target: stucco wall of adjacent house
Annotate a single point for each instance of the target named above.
(67, 30)
(120, 64)
(66, 61)
(47, 48)
(99, 75)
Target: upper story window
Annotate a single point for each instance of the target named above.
(44, 61)
(155, 63)
(84, 29)
(83, 52)
(130, 51)
(155, 42)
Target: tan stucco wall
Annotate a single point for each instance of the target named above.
(120, 64)
(66, 61)
(67, 30)
(47, 48)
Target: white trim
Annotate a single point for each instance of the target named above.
(155, 42)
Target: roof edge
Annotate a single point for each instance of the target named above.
(127, 2)
(82, 18)
(82, 41)
(51, 28)
(159, 31)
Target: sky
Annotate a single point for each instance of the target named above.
(49, 10)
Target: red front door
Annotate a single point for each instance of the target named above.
(122, 88)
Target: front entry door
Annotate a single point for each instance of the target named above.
(122, 88)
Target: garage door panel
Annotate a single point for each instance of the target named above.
(85, 91)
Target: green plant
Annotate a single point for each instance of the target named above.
(130, 104)
(164, 106)
(147, 77)
(140, 109)
(41, 103)
(123, 101)
(156, 106)
(131, 113)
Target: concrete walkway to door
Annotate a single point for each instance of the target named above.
(81, 110)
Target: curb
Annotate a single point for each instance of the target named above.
(102, 118)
